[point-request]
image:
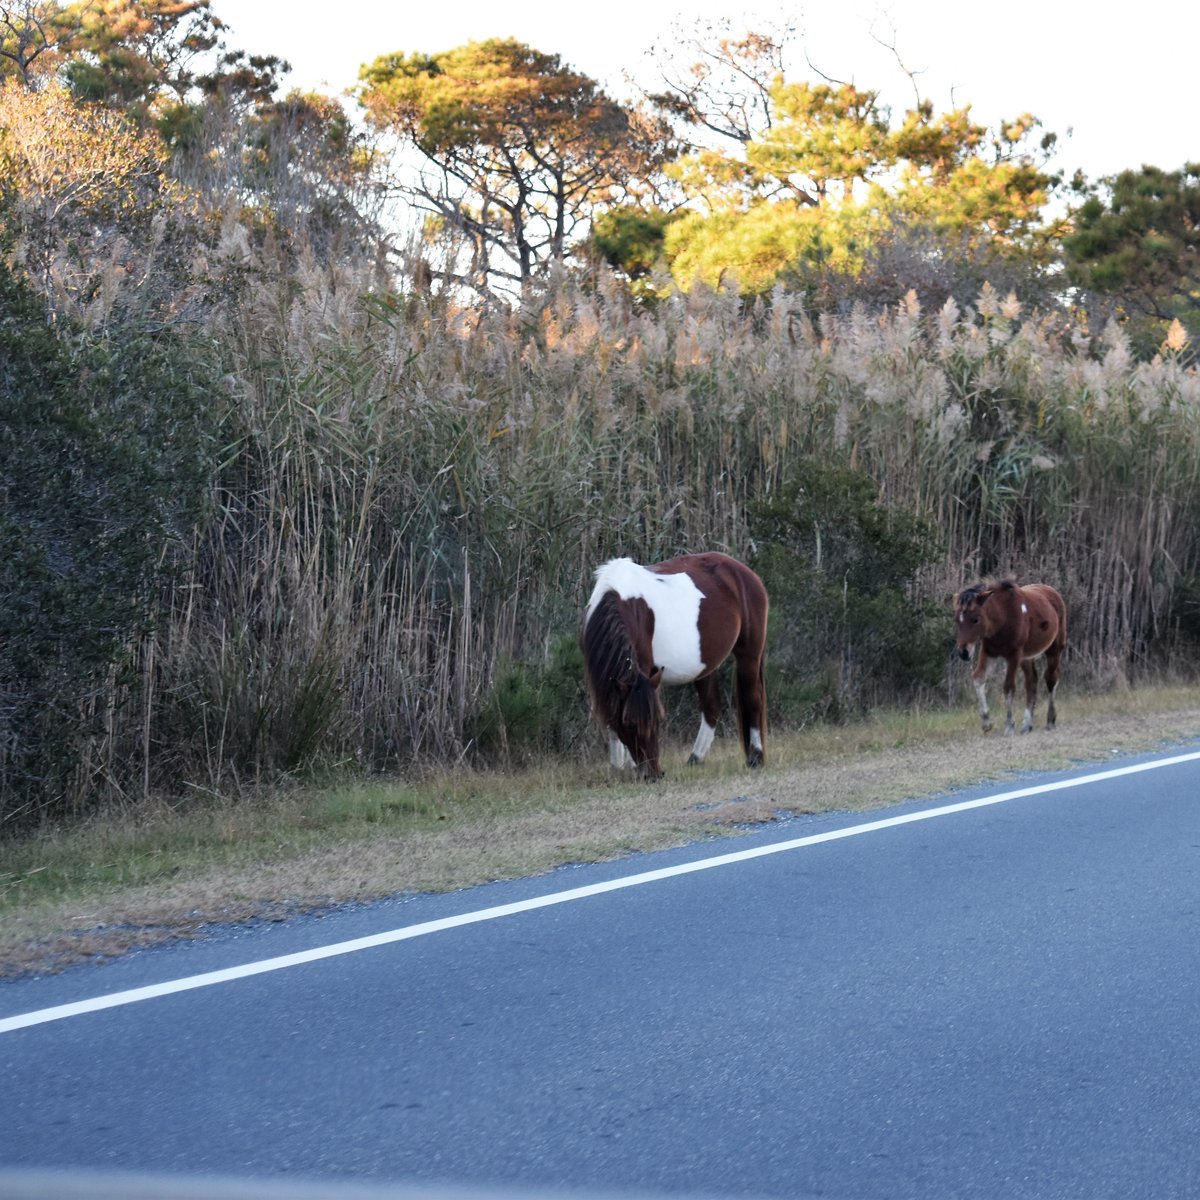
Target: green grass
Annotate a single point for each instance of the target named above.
(303, 846)
(117, 850)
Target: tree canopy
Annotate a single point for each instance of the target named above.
(831, 173)
(512, 161)
(1136, 240)
(148, 58)
(516, 150)
(209, 115)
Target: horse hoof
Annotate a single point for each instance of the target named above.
(986, 726)
(754, 759)
(693, 761)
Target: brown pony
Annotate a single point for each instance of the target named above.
(1016, 624)
(674, 622)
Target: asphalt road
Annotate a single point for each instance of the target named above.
(998, 1000)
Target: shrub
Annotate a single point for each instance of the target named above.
(842, 570)
(100, 470)
(536, 708)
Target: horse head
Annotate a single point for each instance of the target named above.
(638, 719)
(971, 616)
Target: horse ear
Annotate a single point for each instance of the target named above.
(983, 596)
(655, 677)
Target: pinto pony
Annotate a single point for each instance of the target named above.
(1016, 624)
(674, 622)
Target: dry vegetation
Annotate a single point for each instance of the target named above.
(394, 504)
(412, 496)
(415, 495)
(117, 884)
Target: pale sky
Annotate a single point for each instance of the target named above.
(1120, 79)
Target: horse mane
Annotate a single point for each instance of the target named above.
(642, 706)
(989, 583)
(610, 661)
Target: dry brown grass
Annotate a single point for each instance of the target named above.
(415, 496)
(485, 828)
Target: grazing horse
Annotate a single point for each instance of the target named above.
(674, 622)
(1016, 624)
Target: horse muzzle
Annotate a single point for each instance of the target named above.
(964, 652)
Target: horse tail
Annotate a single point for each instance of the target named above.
(1060, 607)
(762, 695)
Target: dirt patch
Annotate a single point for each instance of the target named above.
(859, 769)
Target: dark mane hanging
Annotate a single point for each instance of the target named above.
(616, 685)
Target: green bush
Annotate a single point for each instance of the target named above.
(841, 568)
(536, 708)
(101, 467)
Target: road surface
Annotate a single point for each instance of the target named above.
(996, 994)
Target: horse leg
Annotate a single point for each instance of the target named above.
(752, 708)
(708, 692)
(979, 678)
(1010, 690)
(1052, 657)
(1030, 669)
(618, 754)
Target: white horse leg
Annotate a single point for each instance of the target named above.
(1009, 727)
(618, 755)
(703, 743)
(1030, 671)
(981, 692)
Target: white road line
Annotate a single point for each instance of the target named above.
(153, 991)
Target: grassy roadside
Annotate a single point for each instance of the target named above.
(139, 879)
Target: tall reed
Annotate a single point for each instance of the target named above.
(415, 494)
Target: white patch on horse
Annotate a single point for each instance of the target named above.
(675, 602)
(704, 740)
(1023, 608)
(756, 739)
(618, 756)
